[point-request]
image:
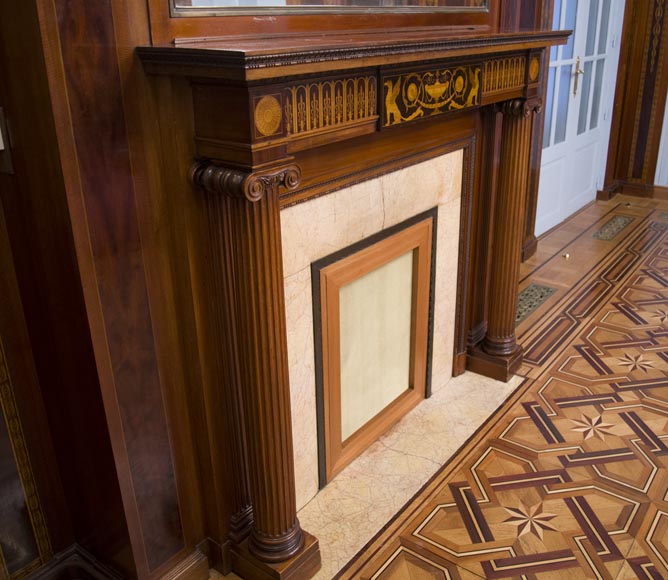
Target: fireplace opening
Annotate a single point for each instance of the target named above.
(373, 306)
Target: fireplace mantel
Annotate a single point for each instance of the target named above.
(277, 120)
(274, 56)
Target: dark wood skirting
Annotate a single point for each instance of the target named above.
(75, 563)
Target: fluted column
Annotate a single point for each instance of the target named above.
(252, 212)
(225, 399)
(508, 227)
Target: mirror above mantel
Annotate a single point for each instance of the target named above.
(241, 7)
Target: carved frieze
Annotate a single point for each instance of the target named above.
(412, 95)
(502, 74)
(310, 108)
(317, 106)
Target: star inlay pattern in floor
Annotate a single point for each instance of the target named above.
(569, 479)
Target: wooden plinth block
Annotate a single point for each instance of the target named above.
(501, 368)
(302, 566)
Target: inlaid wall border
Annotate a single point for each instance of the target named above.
(24, 468)
(640, 98)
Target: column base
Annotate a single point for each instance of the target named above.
(501, 368)
(241, 524)
(302, 566)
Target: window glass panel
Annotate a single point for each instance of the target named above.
(598, 85)
(591, 27)
(562, 103)
(549, 101)
(605, 23)
(556, 25)
(569, 24)
(585, 86)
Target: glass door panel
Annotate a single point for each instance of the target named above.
(563, 103)
(578, 102)
(596, 101)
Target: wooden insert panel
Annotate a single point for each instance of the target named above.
(374, 334)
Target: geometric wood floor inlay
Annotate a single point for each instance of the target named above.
(569, 479)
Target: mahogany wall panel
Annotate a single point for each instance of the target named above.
(89, 510)
(99, 127)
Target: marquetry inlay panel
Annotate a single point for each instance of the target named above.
(322, 105)
(412, 95)
(502, 74)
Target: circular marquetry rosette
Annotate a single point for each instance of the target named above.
(267, 115)
(534, 69)
(460, 81)
(412, 90)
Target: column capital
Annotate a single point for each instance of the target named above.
(520, 107)
(215, 178)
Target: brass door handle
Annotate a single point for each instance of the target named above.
(578, 72)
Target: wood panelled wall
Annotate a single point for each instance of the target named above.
(640, 100)
(67, 441)
(136, 454)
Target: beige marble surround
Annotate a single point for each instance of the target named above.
(324, 225)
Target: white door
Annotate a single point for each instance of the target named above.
(578, 107)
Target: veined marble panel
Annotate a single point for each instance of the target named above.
(317, 228)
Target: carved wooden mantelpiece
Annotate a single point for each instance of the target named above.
(280, 119)
(258, 100)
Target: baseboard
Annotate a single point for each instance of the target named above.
(193, 567)
(529, 248)
(75, 563)
(459, 364)
(637, 190)
(219, 556)
(644, 190)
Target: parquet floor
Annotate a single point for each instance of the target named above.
(569, 479)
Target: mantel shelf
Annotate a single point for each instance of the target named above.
(257, 58)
